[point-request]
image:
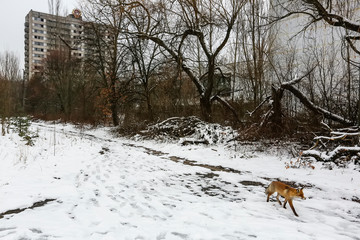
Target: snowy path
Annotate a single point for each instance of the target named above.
(108, 188)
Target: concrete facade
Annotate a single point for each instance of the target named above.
(45, 32)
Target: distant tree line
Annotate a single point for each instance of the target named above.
(219, 60)
(11, 88)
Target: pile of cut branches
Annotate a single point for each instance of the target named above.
(188, 130)
(340, 146)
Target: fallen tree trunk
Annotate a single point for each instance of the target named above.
(337, 153)
(310, 105)
(227, 105)
(344, 143)
(274, 113)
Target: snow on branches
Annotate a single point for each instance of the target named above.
(344, 144)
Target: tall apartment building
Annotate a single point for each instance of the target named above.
(46, 32)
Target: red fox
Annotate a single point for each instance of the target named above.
(286, 191)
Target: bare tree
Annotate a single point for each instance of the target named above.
(60, 71)
(10, 87)
(108, 53)
(178, 26)
(147, 59)
(256, 45)
(342, 16)
(54, 7)
(9, 66)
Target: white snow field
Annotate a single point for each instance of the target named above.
(87, 184)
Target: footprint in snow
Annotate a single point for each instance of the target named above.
(94, 201)
(112, 197)
(97, 192)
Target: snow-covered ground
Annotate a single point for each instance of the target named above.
(86, 184)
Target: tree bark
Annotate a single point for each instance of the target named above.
(113, 104)
(205, 109)
(276, 117)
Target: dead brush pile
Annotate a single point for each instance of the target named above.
(188, 130)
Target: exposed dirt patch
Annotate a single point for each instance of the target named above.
(211, 167)
(187, 161)
(148, 150)
(213, 190)
(252, 183)
(19, 210)
(104, 150)
(211, 185)
(355, 199)
(207, 175)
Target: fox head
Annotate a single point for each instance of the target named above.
(300, 193)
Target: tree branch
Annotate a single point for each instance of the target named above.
(316, 109)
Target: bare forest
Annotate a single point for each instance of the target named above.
(229, 62)
(181, 119)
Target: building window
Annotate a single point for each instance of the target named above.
(37, 61)
(38, 55)
(39, 43)
(39, 49)
(38, 19)
(39, 31)
(39, 37)
(76, 37)
(38, 25)
(76, 26)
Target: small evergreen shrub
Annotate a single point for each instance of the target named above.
(21, 125)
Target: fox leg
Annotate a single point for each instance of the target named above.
(292, 207)
(285, 202)
(277, 197)
(268, 195)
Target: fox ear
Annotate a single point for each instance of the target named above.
(298, 190)
(302, 188)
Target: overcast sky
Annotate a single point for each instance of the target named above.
(12, 19)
